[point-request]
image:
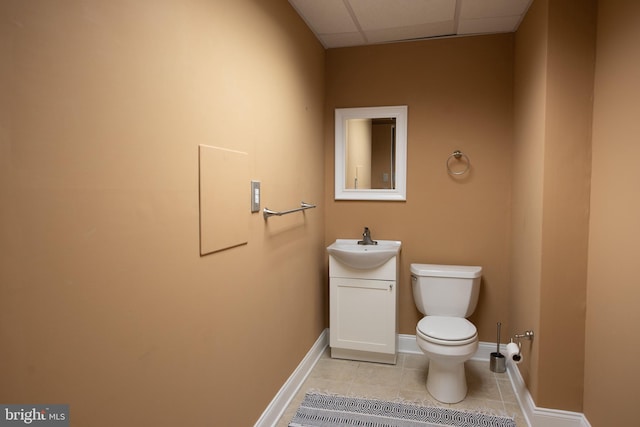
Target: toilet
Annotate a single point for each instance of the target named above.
(446, 295)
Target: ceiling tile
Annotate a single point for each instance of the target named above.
(381, 14)
(492, 8)
(413, 32)
(503, 24)
(325, 16)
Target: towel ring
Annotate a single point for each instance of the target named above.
(457, 155)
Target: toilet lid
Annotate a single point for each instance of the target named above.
(454, 330)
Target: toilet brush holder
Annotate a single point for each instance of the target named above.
(497, 361)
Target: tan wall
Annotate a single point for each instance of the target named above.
(567, 168)
(554, 80)
(530, 98)
(105, 303)
(459, 96)
(612, 349)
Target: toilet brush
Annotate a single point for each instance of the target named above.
(497, 361)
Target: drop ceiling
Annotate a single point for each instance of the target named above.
(342, 23)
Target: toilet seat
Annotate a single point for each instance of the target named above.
(446, 330)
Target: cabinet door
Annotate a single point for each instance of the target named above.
(363, 314)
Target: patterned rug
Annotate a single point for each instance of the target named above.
(322, 410)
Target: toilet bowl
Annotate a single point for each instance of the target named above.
(446, 295)
(447, 342)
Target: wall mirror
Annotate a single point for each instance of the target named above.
(371, 153)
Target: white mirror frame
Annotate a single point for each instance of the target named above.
(400, 113)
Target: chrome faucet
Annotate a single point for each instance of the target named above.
(366, 238)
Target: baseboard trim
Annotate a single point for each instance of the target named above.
(279, 404)
(542, 417)
(535, 417)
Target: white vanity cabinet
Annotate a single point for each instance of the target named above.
(363, 311)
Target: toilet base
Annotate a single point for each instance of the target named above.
(446, 382)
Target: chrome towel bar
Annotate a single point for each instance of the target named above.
(303, 206)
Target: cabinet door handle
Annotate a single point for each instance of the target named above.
(390, 287)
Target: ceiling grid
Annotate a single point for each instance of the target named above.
(342, 23)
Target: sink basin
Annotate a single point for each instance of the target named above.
(362, 257)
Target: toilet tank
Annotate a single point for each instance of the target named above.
(446, 290)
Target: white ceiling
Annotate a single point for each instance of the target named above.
(341, 23)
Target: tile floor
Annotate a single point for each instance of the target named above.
(488, 391)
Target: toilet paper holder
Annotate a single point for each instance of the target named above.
(527, 335)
